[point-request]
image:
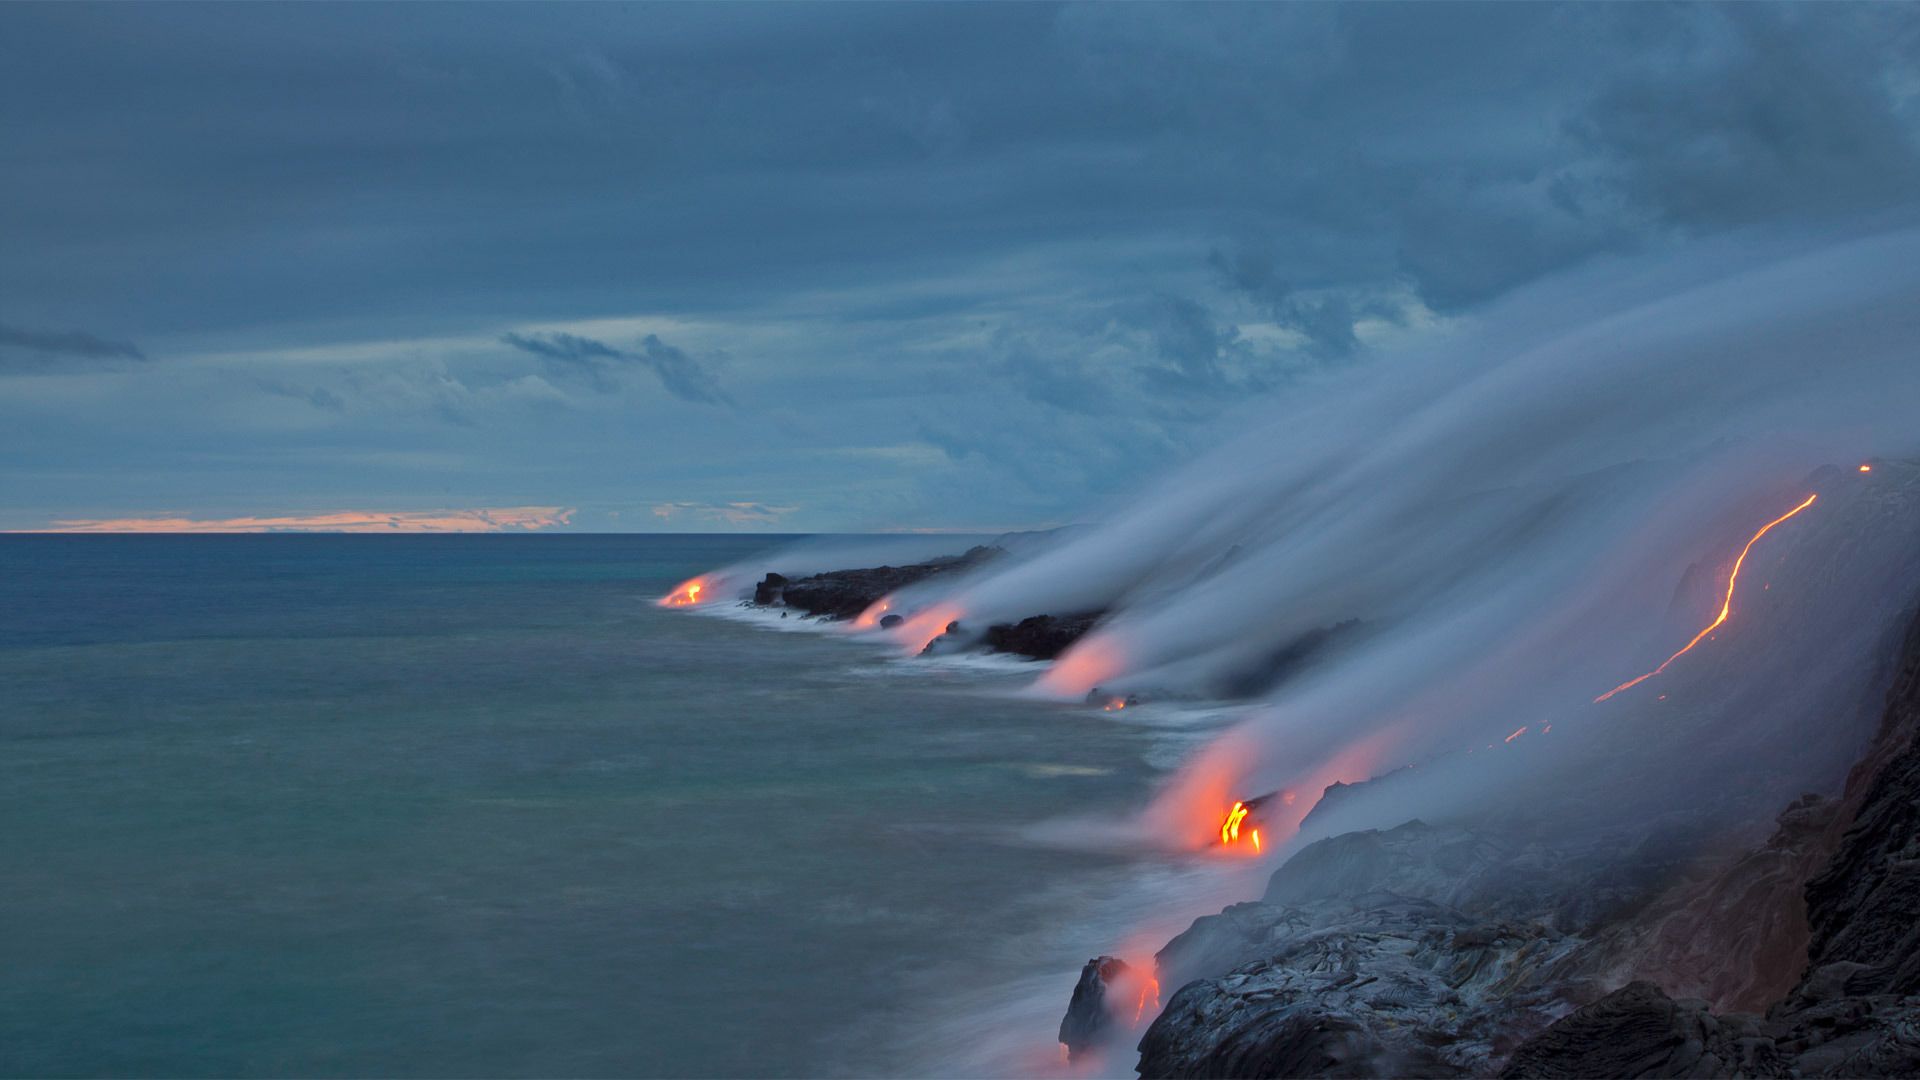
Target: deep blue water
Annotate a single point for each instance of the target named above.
(472, 805)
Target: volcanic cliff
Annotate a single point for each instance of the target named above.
(1439, 950)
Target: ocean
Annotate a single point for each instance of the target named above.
(475, 806)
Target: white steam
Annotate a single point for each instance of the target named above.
(1520, 518)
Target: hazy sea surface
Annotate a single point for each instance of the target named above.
(473, 805)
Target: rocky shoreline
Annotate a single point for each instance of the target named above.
(1440, 950)
(838, 595)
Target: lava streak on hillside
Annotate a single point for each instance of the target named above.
(1726, 605)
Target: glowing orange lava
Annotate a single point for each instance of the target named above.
(1115, 705)
(1726, 605)
(1151, 986)
(921, 628)
(1256, 840)
(1230, 828)
(1866, 468)
(1515, 735)
(1091, 661)
(685, 594)
(871, 616)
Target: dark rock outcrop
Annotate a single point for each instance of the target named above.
(1376, 985)
(1089, 1019)
(1751, 910)
(771, 590)
(1639, 1031)
(1383, 952)
(951, 640)
(1865, 906)
(843, 594)
(1041, 637)
(1443, 950)
(1856, 1009)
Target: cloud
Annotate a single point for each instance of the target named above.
(1741, 116)
(478, 520)
(733, 513)
(1064, 277)
(44, 347)
(683, 376)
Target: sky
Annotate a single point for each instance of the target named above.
(607, 267)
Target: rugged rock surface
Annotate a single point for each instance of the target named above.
(1041, 637)
(1752, 909)
(771, 590)
(1639, 1031)
(1372, 953)
(1443, 950)
(1379, 985)
(1856, 1009)
(1865, 906)
(1090, 1015)
(843, 594)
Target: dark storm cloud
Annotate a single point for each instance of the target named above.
(1744, 116)
(38, 350)
(1054, 241)
(681, 375)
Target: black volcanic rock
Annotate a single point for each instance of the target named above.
(771, 590)
(950, 640)
(1041, 637)
(1639, 1031)
(843, 594)
(1856, 1009)
(1865, 906)
(1376, 985)
(1089, 1016)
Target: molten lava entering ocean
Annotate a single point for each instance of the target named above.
(685, 594)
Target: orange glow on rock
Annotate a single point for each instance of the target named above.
(1151, 986)
(871, 617)
(920, 629)
(1090, 662)
(1726, 605)
(1866, 468)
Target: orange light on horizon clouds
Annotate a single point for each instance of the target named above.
(477, 520)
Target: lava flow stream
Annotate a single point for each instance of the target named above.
(1726, 605)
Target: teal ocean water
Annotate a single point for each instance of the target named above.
(474, 806)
